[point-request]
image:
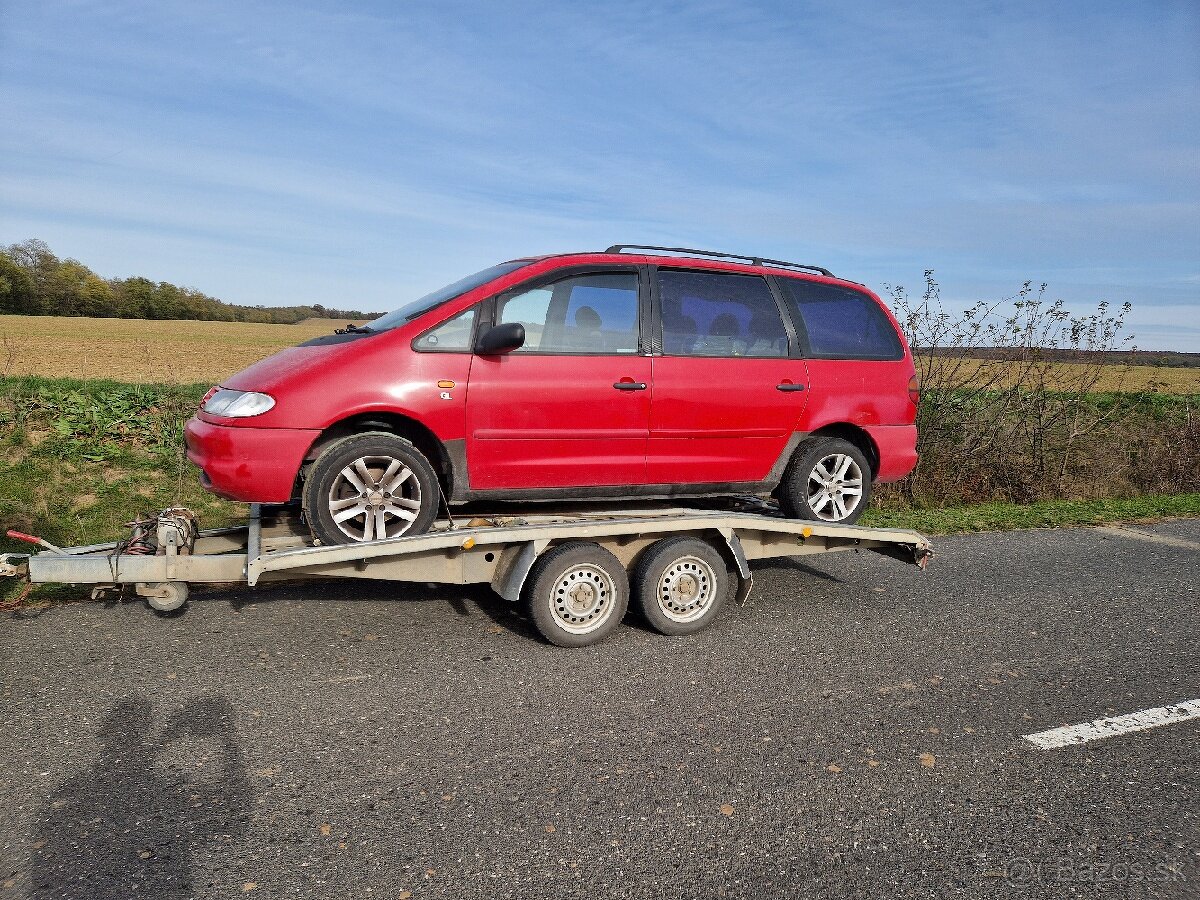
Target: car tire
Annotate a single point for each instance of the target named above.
(821, 479)
(367, 481)
(577, 594)
(680, 585)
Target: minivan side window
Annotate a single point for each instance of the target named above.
(452, 336)
(719, 314)
(530, 308)
(593, 313)
(842, 323)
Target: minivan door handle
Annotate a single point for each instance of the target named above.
(630, 385)
(788, 386)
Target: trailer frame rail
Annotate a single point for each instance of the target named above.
(500, 550)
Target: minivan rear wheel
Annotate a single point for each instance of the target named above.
(829, 480)
(370, 487)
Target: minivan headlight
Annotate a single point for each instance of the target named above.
(237, 404)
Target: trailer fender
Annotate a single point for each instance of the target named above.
(745, 578)
(514, 566)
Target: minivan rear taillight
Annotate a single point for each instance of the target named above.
(914, 390)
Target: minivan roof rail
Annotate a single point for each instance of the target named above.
(753, 260)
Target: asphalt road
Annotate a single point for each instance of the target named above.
(855, 731)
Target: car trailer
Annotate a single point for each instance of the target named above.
(575, 570)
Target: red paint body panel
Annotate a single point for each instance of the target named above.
(544, 421)
(254, 465)
(721, 420)
(314, 388)
(897, 445)
(860, 392)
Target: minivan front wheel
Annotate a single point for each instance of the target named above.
(370, 487)
(829, 480)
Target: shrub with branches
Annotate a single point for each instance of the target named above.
(1010, 404)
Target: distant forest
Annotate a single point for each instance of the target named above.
(35, 282)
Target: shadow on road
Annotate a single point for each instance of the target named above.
(154, 800)
(467, 600)
(784, 562)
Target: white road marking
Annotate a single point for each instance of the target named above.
(1133, 533)
(1068, 735)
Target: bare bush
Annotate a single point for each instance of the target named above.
(1010, 404)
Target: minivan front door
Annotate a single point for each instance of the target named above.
(570, 408)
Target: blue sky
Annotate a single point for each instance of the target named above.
(358, 154)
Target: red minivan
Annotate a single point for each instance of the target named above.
(639, 372)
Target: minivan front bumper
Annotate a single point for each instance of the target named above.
(252, 465)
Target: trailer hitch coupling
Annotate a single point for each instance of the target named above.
(14, 565)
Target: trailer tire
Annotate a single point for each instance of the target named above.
(375, 478)
(577, 594)
(166, 598)
(680, 585)
(820, 479)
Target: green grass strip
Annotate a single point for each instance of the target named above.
(1043, 514)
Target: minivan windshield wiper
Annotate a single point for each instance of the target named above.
(354, 329)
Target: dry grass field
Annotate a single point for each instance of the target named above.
(1067, 376)
(184, 352)
(137, 350)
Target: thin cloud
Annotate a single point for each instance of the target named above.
(992, 142)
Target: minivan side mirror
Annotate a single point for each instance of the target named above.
(501, 339)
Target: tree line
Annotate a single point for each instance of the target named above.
(35, 282)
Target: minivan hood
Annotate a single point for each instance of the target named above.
(287, 365)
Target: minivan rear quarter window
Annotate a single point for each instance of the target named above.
(841, 322)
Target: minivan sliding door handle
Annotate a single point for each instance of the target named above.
(630, 385)
(788, 386)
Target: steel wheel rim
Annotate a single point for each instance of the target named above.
(374, 498)
(686, 589)
(835, 487)
(582, 599)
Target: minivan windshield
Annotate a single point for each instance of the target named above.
(419, 307)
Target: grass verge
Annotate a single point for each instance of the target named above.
(1042, 514)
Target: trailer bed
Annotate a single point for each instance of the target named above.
(498, 548)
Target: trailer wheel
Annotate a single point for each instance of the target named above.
(163, 596)
(369, 487)
(680, 585)
(577, 594)
(829, 480)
